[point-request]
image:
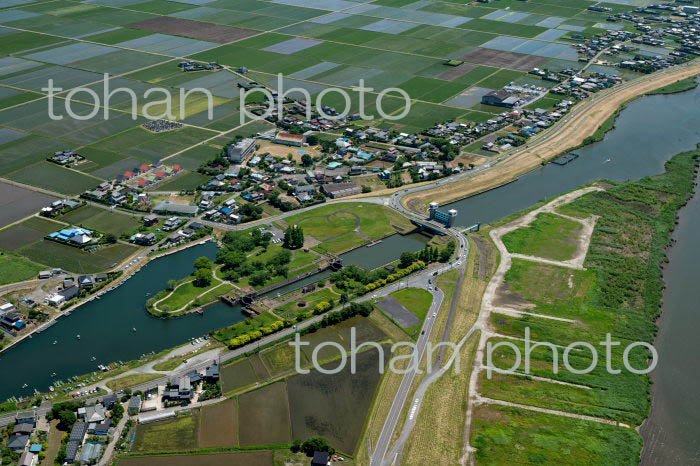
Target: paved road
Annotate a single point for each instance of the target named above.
(379, 454)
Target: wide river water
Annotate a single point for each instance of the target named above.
(648, 132)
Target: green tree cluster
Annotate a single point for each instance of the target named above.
(293, 237)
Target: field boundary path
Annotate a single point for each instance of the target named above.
(498, 280)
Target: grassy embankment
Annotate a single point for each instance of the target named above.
(619, 293)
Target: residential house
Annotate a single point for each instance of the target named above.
(134, 405)
(93, 414)
(86, 281)
(172, 223)
(150, 220)
(18, 442)
(212, 372)
(12, 320)
(27, 459)
(26, 417)
(180, 389)
(108, 401)
(73, 235)
(143, 240)
(23, 429)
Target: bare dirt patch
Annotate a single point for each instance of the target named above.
(218, 426)
(194, 29)
(456, 72)
(501, 59)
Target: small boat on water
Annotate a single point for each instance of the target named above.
(78, 337)
(55, 342)
(607, 160)
(133, 328)
(93, 358)
(25, 385)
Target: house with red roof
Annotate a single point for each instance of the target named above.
(160, 174)
(177, 167)
(144, 167)
(128, 174)
(142, 182)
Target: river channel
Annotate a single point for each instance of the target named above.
(117, 328)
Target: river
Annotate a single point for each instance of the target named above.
(106, 326)
(647, 133)
(672, 430)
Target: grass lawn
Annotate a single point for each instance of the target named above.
(174, 434)
(130, 380)
(417, 301)
(183, 294)
(550, 236)
(292, 308)
(333, 220)
(15, 268)
(341, 244)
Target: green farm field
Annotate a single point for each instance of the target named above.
(103, 220)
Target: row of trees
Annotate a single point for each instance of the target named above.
(293, 237)
(256, 335)
(398, 275)
(336, 317)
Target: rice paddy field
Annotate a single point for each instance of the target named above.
(387, 43)
(405, 44)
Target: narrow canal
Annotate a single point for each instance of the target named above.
(117, 328)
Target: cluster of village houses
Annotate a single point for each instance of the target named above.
(94, 428)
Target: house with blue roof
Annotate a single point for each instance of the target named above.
(75, 235)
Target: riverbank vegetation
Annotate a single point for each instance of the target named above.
(619, 293)
(679, 86)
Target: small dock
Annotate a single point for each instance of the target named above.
(565, 159)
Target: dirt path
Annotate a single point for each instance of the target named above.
(583, 121)
(482, 400)
(498, 280)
